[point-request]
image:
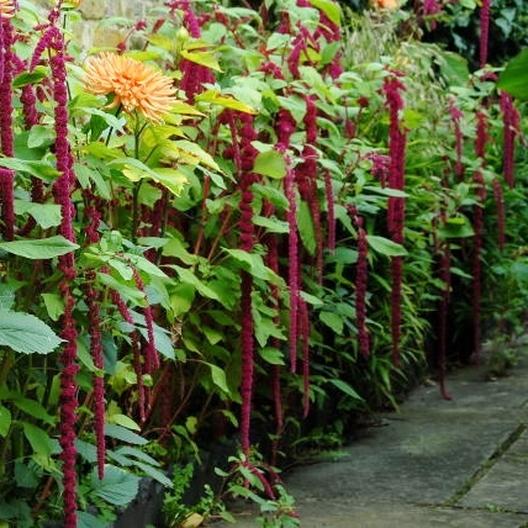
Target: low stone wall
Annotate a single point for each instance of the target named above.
(91, 31)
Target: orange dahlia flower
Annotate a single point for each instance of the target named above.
(135, 86)
(7, 8)
(386, 4)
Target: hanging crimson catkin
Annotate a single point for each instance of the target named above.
(511, 122)
(330, 212)
(361, 284)
(304, 326)
(6, 128)
(478, 226)
(152, 361)
(62, 189)
(285, 128)
(137, 360)
(456, 117)
(445, 277)
(247, 155)
(484, 31)
(501, 220)
(93, 301)
(392, 88)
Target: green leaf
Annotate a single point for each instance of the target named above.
(346, 388)
(306, 227)
(34, 408)
(272, 224)
(385, 246)
(254, 264)
(32, 77)
(329, 8)
(514, 79)
(125, 435)
(44, 248)
(219, 378)
(188, 277)
(155, 474)
(124, 421)
(26, 334)
(454, 68)
(54, 305)
(39, 169)
(5, 420)
(333, 321)
(38, 439)
(46, 215)
(270, 163)
(39, 136)
(118, 487)
(272, 355)
(204, 58)
(226, 101)
(87, 520)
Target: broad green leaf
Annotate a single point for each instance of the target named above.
(254, 264)
(346, 388)
(333, 321)
(329, 8)
(39, 169)
(272, 355)
(40, 249)
(270, 163)
(38, 439)
(124, 421)
(54, 305)
(172, 179)
(87, 520)
(306, 227)
(514, 79)
(40, 135)
(125, 435)
(215, 97)
(33, 77)
(385, 246)
(33, 408)
(188, 277)
(26, 334)
(204, 58)
(219, 378)
(155, 474)
(454, 68)
(46, 215)
(5, 421)
(272, 224)
(118, 487)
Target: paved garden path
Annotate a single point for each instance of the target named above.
(460, 464)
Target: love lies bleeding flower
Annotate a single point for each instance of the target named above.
(134, 85)
(7, 8)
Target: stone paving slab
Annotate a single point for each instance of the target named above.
(465, 453)
(505, 486)
(346, 515)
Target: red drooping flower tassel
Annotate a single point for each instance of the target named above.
(247, 155)
(330, 206)
(456, 117)
(138, 365)
(484, 31)
(152, 361)
(511, 124)
(96, 343)
(193, 75)
(445, 277)
(392, 88)
(7, 177)
(62, 189)
(304, 325)
(285, 128)
(306, 177)
(501, 215)
(361, 284)
(481, 141)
